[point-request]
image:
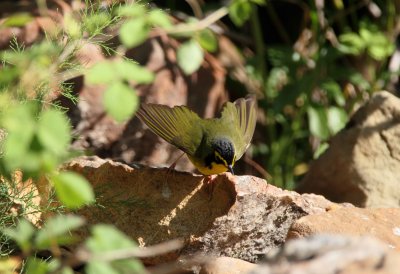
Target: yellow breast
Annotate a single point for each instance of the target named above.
(215, 168)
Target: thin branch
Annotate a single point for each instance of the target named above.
(194, 4)
(83, 255)
(257, 167)
(200, 25)
(276, 21)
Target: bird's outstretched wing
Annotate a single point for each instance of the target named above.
(178, 125)
(242, 112)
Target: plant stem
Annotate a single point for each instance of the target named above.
(259, 43)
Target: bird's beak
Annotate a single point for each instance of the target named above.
(231, 169)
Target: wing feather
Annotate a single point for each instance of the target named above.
(247, 111)
(243, 115)
(178, 126)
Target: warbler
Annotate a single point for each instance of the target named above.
(212, 145)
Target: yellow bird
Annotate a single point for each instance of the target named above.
(212, 145)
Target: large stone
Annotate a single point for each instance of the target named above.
(329, 254)
(362, 163)
(382, 223)
(235, 216)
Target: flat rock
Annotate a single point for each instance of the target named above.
(332, 254)
(382, 223)
(362, 163)
(236, 216)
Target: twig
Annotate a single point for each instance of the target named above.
(200, 25)
(194, 4)
(83, 255)
(257, 167)
(278, 24)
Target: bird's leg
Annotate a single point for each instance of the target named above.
(166, 191)
(209, 184)
(172, 166)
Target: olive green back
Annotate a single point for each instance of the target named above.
(186, 130)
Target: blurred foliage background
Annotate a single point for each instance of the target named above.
(314, 62)
(310, 63)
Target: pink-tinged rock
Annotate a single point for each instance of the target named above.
(332, 254)
(362, 163)
(381, 223)
(236, 216)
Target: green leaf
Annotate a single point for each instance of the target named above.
(366, 35)
(120, 101)
(351, 43)
(22, 234)
(190, 56)
(54, 132)
(318, 123)
(337, 119)
(378, 53)
(67, 270)
(134, 32)
(19, 123)
(159, 18)
(359, 80)
(19, 119)
(320, 150)
(132, 10)
(96, 267)
(72, 189)
(102, 73)
(57, 230)
(16, 147)
(380, 47)
(17, 20)
(207, 40)
(334, 91)
(239, 12)
(128, 70)
(36, 266)
(107, 238)
(108, 72)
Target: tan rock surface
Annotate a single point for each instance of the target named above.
(381, 223)
(332, 254)
(236, 216)
(227, 265)
(362, 164)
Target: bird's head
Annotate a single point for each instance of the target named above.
(223, 153)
